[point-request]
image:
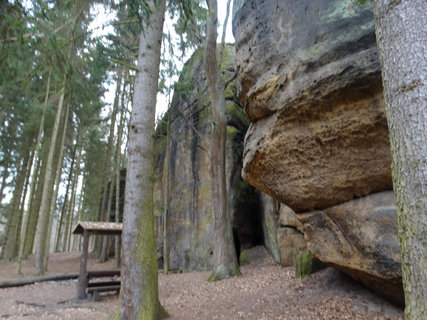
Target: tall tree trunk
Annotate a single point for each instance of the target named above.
(140, 299)
(166, 199)
(224, 32)
(79, 213)
(118, 171)
(71, 214)
(107, 166)
(22, 205)
(401, 38)
(9, 250)
(65, 205)
(42, 223)
(224, 253)
(34, 209)
(69, 225)
(57, 182)
(34, 174)
(105, 239)
(4, 176)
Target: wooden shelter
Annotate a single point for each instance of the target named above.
(86, 229)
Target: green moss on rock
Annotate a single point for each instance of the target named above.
(236, 115)
(244, 258)
(303, 264)
(306, 265)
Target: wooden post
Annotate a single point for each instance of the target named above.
(82, 283)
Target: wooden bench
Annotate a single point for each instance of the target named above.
(93, 288)
(103, 274)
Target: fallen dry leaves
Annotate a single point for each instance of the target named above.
(265, 291)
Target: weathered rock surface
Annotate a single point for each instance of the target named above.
(283, 233)
(310, 80)
(269, 209)
(360, 238)
(287, 218)
(189, 227)
(291, 242)
(290, 236)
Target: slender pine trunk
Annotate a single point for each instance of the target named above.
(105, 240)
(59, 231)
(57, 182)
(166, 200)
(71, 207)
(34, 179)
(5, 174)
(9, 250)
(42, 223)
(118, 170)
(22, 205)
(140, 299)
(34, 210)
(224, 253)
(107, 166)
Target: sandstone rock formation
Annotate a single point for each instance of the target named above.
(360, 238)
(310, 80)
(189, 211)
(283, 233)
(269, 223)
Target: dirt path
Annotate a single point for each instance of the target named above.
(264, 291)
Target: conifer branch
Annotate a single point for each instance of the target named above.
(121, 63)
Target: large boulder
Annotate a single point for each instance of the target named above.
(189, 217)
(309, 78)
(360, 238)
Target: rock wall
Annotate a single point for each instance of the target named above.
(189, 228)
(310, 82)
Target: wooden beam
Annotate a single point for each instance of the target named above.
(82, 283)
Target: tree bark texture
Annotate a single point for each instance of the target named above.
(58, 171)
(70, 216)
(401, 28)
(224, 253)
(166, 200)
(34, 209)
(42, 223)
(5, 174)
(10, 248)
(139, 269)
(33, 182)
(22, 205)
(59, 232)
(105, 240)
(118, 167)
(107, 166)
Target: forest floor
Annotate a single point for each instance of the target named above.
(264, 291)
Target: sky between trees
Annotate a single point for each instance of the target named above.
(104, 15)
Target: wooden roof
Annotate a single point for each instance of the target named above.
(106, 228)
